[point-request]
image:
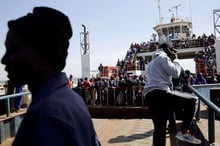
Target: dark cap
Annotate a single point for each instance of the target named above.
(47, 30)
(42, 20)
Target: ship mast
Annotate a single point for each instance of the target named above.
(85, 53)
(160, 18)
(174, 29)
(176, 8)
(216, 18)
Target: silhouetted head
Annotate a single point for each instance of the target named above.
(36, 46)
(48, 31)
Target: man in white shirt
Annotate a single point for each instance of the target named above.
(157, 91)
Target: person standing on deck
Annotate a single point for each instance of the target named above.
(200, 79)
(70, 82)
(85, 89)
(18, 99)
(157, 91)
(36, 50)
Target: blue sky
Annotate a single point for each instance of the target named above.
(112, 24)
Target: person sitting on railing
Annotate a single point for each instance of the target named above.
(186, 80)
(36, 51)
(159, 97)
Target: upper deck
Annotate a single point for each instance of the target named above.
(174, 30)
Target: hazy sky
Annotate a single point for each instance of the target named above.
(112, 24)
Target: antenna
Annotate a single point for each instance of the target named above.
(176, 7)
(216, 16)
(160, 18)
(85, 52)
(190, 10)
(85, 48)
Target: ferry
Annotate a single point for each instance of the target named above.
(204, 49)
(178, 32)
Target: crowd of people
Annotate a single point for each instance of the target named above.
(114, 90)
(59, 116)
(127, 90)
(205, 60)
(101, 87)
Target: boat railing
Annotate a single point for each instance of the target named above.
(7, 99)
(117, 96)
(212, 108)
(131, 96)
(180, 44)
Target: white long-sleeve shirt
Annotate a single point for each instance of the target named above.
(160, 72)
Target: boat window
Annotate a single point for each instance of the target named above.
(164, 30)
(159, 32)
(185, 29)
(170, 29)
(177, 29)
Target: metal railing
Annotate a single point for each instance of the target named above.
(112, 95)
(212, 110)
(204, 97)
(7, 98)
